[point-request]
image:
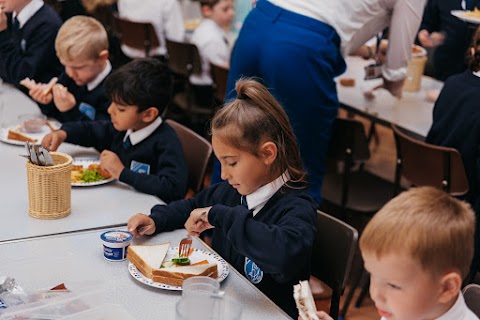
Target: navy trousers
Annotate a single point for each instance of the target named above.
(297, 58)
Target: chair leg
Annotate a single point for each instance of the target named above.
(351, 292)
(363, 293)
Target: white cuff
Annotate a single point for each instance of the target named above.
(394, 74)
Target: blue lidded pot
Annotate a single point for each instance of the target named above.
(115, 244)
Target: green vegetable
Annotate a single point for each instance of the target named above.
(91, 176)
(181, 261)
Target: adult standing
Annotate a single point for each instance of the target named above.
(297, 46)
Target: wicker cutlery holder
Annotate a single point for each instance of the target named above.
(49, 188)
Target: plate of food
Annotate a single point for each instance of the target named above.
(159, 266)
(472, 16)
(86, 172)
(16, 136)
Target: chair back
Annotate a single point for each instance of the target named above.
(425, 164)
(219, 77)
(197, 151)
(348, 141)
(332, 255)
(471, 293)
(138, 35)
(183, 58)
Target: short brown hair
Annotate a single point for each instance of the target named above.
(81, 37)
(427, 224)
(253, 117)
(208, 3)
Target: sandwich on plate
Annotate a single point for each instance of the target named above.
(149, 260)
(304, 300)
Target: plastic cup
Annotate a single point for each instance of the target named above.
(32, 123)
(207, 307)
(200, 285)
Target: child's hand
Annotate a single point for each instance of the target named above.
(321, 315)
(111, 162)
(37, 94)
(198, 221)
(3, 20)
(64, 100)
(141, 224)
(54, 139)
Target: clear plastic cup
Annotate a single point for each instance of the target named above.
(32, 123)
(200, 285)
(207, 307)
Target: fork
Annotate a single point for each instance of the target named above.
(184, 247)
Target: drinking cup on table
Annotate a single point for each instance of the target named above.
(207, 307)
(200, 285)
(32, 123)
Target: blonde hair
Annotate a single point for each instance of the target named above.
(427, 224)
(81, 37)
(255, 117)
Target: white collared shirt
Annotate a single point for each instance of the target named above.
(476, 73)
(102, 75)
(257, 199)
(211, 41)
(459, 311)
(165, 16)
(142, 134)
(28, 11)
(360, 20)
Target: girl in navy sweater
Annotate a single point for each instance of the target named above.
(263, 222)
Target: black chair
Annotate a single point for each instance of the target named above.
(439, 167)
(471, 293)
(219, 77)
(138, 35)
(332, 255)
(197, 151)
(184, 61)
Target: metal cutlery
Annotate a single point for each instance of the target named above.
(38, 155)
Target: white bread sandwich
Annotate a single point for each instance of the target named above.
(15, 135)
(304, 300)
(149, 258)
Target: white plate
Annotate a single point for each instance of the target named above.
(85, 162)
(39, 136)
(463, 15)
(196, 256)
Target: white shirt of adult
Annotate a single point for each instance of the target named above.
(459, 311)
(360, 20)
(164, 15)
(212, 44)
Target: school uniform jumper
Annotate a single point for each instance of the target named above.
(271, 249)
(155, 166)
(90, 104)
(30, 50)
(449, 57)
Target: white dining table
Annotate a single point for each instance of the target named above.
(412, 112)
(77, 258)
(91, 207)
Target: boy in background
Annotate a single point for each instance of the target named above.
(27, 35)
(418, 249)
(82, 47)
(211, 40)
(137, 146)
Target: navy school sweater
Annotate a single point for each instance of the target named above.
(161, 151)
(90, 105)
(279, 239)
(30, 51)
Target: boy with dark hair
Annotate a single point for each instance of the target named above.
(27, 35)
(137, 147)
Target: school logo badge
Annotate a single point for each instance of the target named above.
(87, 110)
(139, 167)
(252, 271)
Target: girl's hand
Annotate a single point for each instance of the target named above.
(37, 94)
(53, 140)
(64, 100)
(110, 162)
(141, 224)
(322, 315)
(198, 221)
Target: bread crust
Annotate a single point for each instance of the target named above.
(14, 135)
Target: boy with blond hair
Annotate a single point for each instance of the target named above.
(82, 47)
(418, 249)
(27, 35)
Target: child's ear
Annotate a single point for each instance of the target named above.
(268, 152)
(206, 11)
(103, 55)
(150, 114)
(451, 283)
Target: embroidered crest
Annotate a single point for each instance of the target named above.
(139, 167)
(87, 110)
(252, 271)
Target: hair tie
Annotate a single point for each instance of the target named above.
(242, 96)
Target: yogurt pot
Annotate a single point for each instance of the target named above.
(115, 244)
